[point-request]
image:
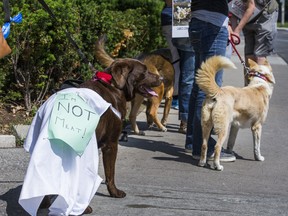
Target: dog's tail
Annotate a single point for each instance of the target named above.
(205, 77)
(101, 55)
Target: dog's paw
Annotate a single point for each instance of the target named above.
(118, 194)
(164, 122)
(88, 210)
(217, 167)
(140, 133)
(150, 126)
(163, 129)
(259, 158)
(201, 163)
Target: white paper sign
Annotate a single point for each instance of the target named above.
(181, 11)
(72, 121)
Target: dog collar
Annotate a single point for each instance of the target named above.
(257, 74)
(103, 76)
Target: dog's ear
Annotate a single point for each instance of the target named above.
(119, 71)
(251, 63)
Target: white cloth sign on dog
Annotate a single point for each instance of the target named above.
(56, 168)
(72, 121)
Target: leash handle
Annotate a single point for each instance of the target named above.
(235, 40)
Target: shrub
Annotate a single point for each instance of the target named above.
(42, 56)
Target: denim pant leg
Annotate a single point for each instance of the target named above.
(185, 82)
(207, 40)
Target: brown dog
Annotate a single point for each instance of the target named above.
(157, 62)
(238, 107)
(118, 84)
(129, 77)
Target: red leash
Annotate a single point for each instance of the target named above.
(235, 40)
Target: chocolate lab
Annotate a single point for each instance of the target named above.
(129, 77)
(118, 84)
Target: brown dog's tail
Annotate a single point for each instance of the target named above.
(205, 77)
(101, 55)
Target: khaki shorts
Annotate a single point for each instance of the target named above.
(260, 34)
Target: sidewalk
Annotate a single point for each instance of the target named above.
(161, 179)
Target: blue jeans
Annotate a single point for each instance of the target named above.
(186, 78)
(207, 40)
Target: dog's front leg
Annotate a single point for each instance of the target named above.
(256, 131)
(232, 137)
(109, 160)
(152, 113)
(135, 106)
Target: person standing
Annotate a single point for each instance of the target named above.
(166, 24)
(208, 32)
(186, 79)
(260, 32)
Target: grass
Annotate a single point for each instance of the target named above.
(282, 26)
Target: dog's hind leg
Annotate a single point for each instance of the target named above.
(221, 127)
(217, 151)
(135, 106)
(232, 137)
(256, 131)
(207, 125)
(46, 202)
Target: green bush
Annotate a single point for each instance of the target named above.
(42, 56)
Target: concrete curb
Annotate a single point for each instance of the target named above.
(9, 141)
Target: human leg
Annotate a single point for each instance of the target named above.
(187, 59)
(167, 33)
(259, 38)
(208, 40)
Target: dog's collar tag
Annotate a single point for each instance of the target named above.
(105, 77)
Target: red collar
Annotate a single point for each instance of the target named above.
(103, 76)
(257, 74)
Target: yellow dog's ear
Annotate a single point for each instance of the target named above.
(251, 63)
(119, 71)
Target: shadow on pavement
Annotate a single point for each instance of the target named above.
(11, 198)
(178, 154)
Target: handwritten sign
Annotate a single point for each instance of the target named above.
(72, 121)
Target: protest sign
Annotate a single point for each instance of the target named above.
(72, 121)
(181, 16)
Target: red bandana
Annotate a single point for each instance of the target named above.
(105, 77)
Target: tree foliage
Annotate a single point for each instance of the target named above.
(42, 56)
